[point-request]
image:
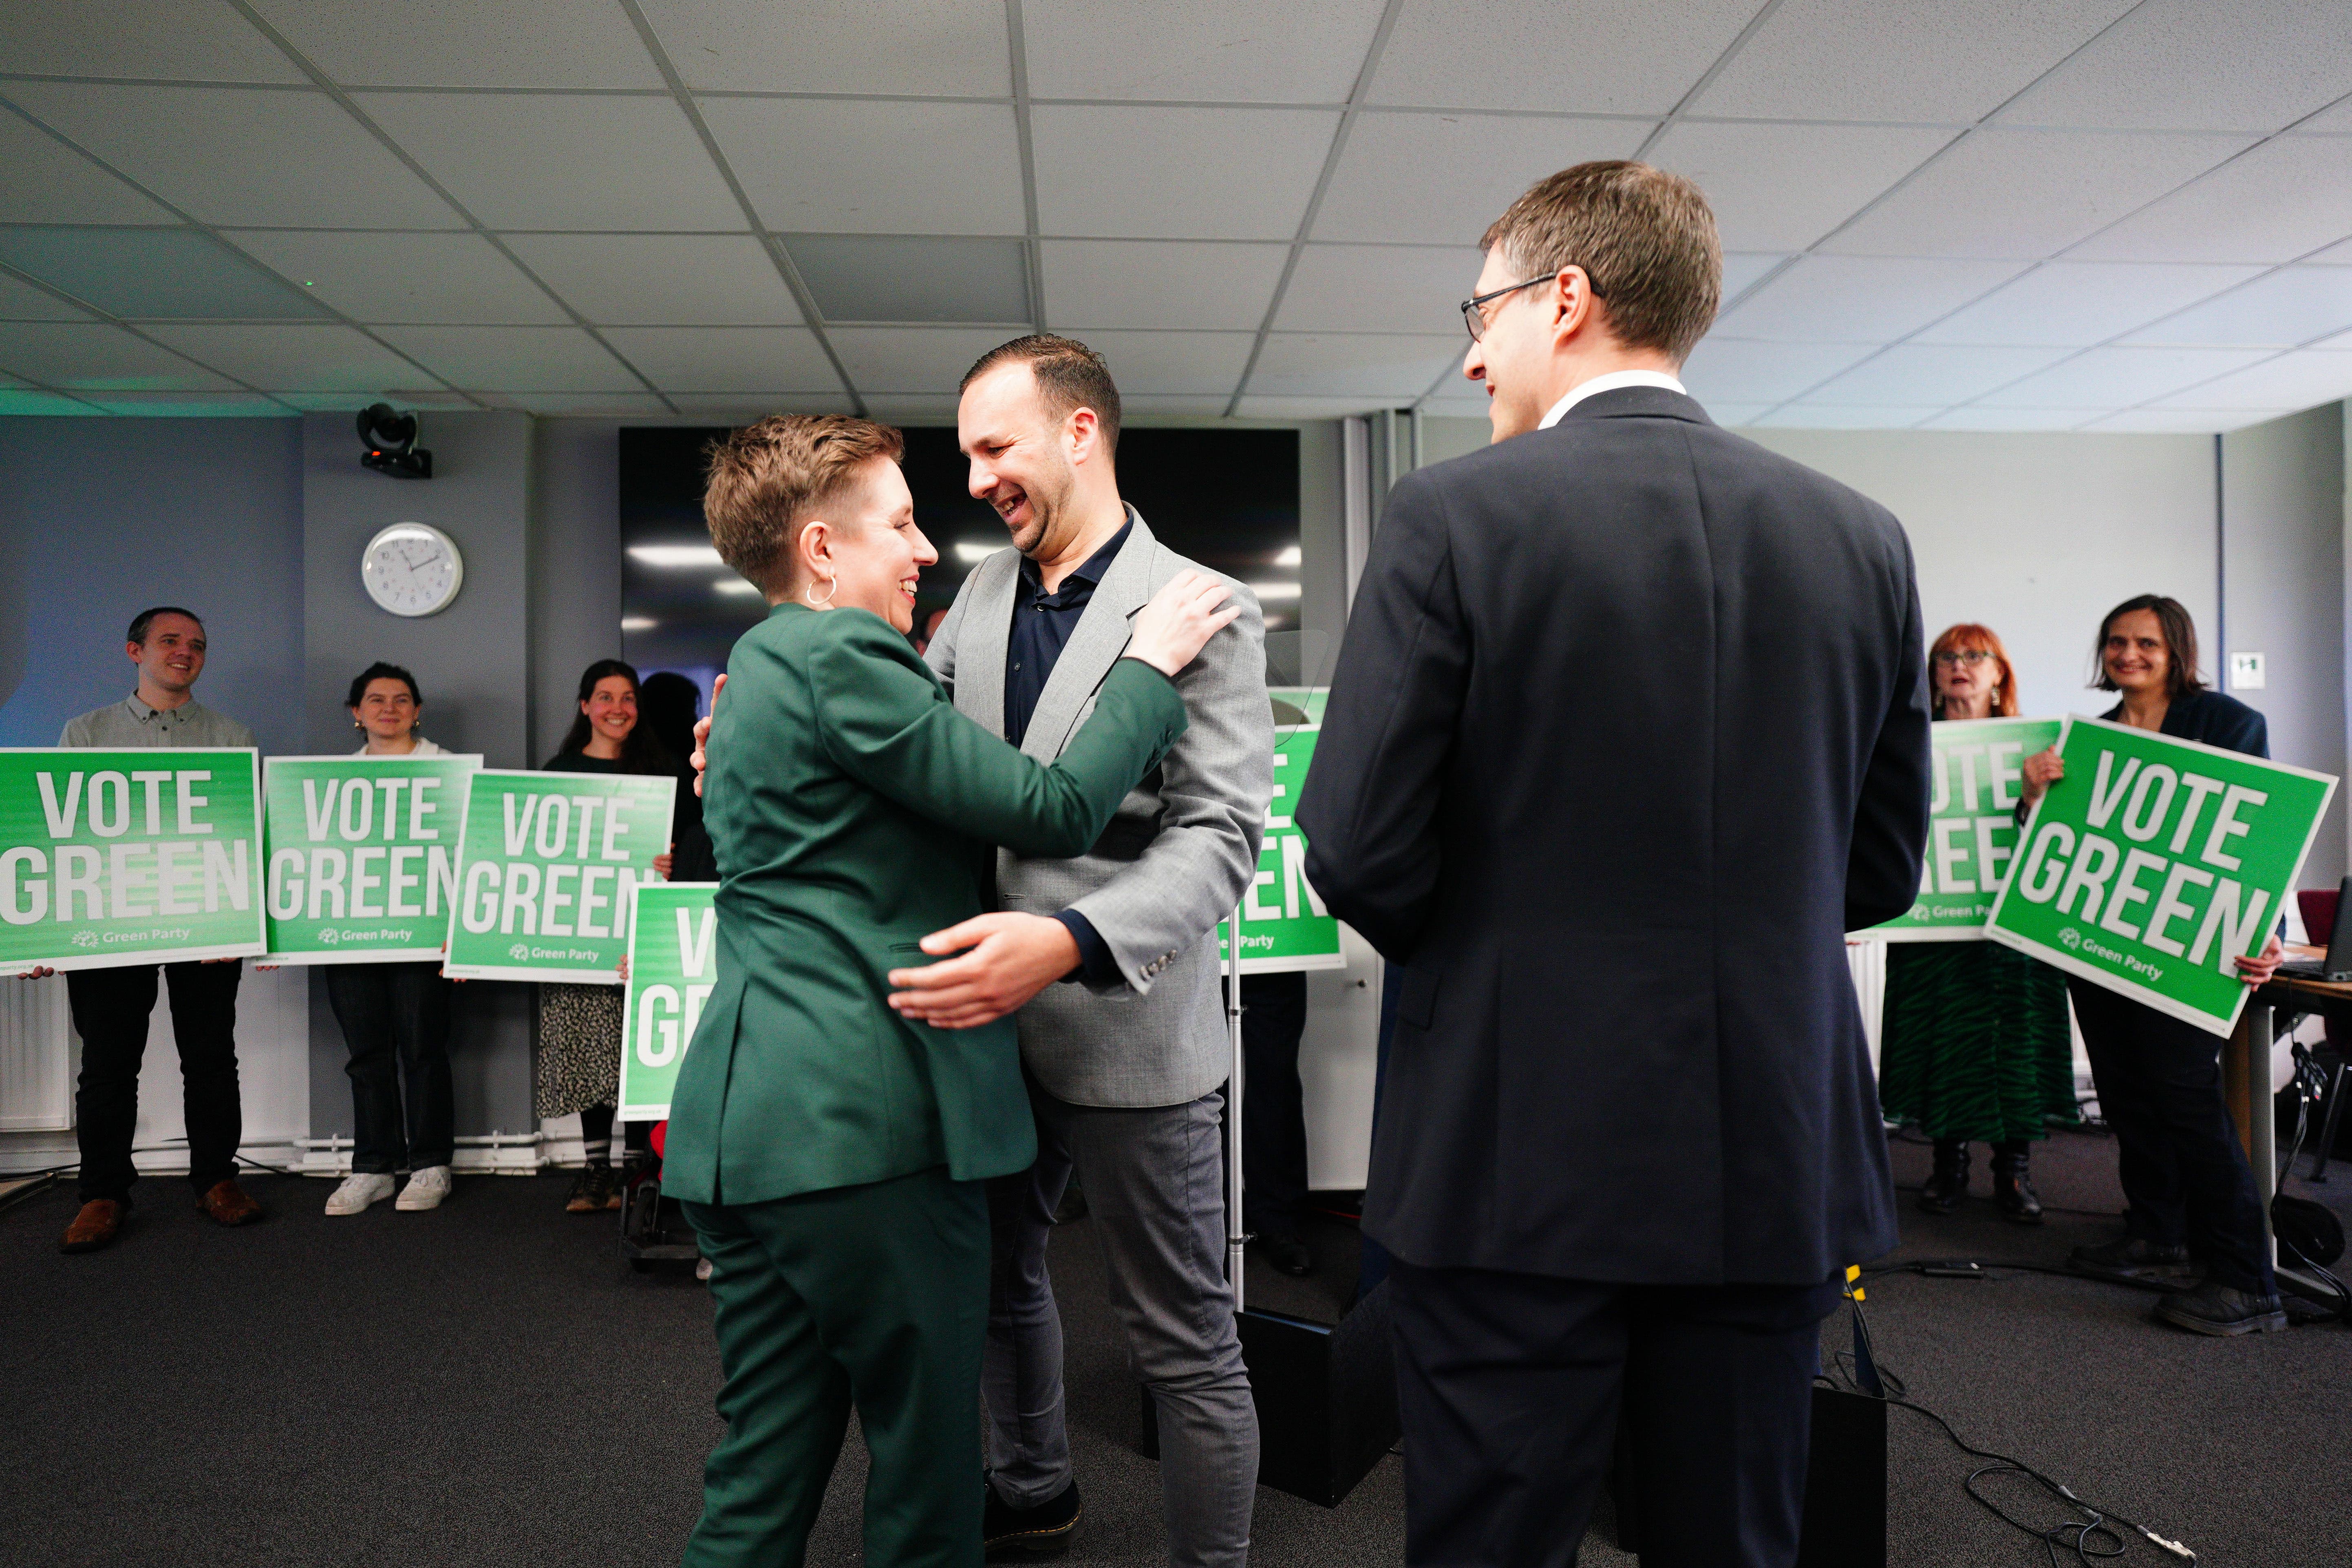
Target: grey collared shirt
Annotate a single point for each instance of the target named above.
(131, 723)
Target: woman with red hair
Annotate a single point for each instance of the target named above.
(1975, 1044)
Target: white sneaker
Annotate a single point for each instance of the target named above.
(426, 1189)
(359, 1189)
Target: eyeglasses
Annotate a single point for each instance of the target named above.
(1475, 318)
(1967, 656)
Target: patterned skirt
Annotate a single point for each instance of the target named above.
(579, 1047)
(1974, 1043)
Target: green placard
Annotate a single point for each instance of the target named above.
(673, 964)
(362, 863)
(137, 857)
(542, 887)
(2155, 862)
(1284, 924)
(1972, 826)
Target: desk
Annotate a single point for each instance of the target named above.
(2246, 1078)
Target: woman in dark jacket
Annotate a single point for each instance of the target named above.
(2192, 1192)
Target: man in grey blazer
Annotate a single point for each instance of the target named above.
(1126, 1062)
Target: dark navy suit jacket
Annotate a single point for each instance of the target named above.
(2213, 719)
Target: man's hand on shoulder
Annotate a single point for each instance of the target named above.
(1012, 957)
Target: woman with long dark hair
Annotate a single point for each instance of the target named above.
(1975, 1043)
(2192, 1193)
(580, 1025)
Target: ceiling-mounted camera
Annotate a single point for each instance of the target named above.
(390, 437)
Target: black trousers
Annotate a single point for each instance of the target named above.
(2177, 1151)
(1511, 1384)
(111, 1009)
(1274, 1115)
(395, 1019)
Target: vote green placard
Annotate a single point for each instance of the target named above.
(362, 856)
(1972, 826)
(673, 964)
(1284, 926)
(2155, 862)
(137, 856)
(542, 887)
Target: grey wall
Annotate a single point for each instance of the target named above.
(102, 517)
(1322, 547)
(575, 576)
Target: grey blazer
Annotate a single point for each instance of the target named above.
(1175, 858)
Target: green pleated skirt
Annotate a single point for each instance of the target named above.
(1974, 1044)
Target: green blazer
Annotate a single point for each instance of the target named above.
(854, 811)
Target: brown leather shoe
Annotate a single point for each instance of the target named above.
(229, 1204)
(98, 1223)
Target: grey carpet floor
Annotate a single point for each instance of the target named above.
(488, 1385)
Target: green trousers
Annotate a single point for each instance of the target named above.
(874, 1297)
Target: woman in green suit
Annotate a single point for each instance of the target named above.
(831, 1154)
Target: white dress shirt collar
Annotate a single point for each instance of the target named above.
(1610, 383)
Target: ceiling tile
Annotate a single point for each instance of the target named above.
(405, 278)
(1378, 288)
(1857, 299)
(1743, 270)
(1977, 418)
(677, 280)
(2302, 380)
(2294, 305)
(2029, 194)
(2074, 304)
(140, 273)
(1862, 417)
(1731, 415)
(192, 405)
(2179, 421)
(467, 42)
(515, 359)
(2283, 198)
(20, 301)
(317, 358)
(242, 155)
(1781, 187)
(1186, 409)
(2114, 377)
(1157, 283)
(1742, 371)
(735, 408)
(27, 401)
(2334, 255)
(1952, 62)
(2182, 65)
(727, 359)
(1935, 376)
(958, 47)
(919, 362)
(1291, 409)
(937, 278)
(1440, 179)
(343, 402)
(1156, 365)
(1235, 51)
(913, 408)
(827, 166)
(44, 181)
(593, 405)
(1396, 368)
(1598, 56)
(537, 161)
(77, 356)
(186, 40)
(1177, 174)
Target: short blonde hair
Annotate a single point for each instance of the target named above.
(1644, 236)
(766, 477)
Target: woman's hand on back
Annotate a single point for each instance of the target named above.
(1170, 631)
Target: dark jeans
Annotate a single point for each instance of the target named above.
(395, 1018)
(1510, 1386)
(1274, 1115)
(2177, 1151)
(111, 1009)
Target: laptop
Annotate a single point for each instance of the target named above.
(2336, 966)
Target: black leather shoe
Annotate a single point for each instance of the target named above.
(2012, 1186)
(1949, 1184)
(2212, 1309)
(1040, 1531)
(2130, 1256)
(1287, 1254)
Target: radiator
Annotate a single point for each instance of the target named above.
(37, 1056)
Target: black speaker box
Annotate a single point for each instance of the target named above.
(1845, 1486)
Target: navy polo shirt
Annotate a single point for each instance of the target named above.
(1041, 624)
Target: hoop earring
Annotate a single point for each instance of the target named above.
(832, 586)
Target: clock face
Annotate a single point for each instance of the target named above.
(412, 569)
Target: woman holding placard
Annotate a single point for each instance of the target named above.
(394, 1017)
(2192, 1192)
(1975, 1043)
(580, 1025)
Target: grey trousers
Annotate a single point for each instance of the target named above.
(1156, 1195)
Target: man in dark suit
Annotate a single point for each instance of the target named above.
(1629, 728)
